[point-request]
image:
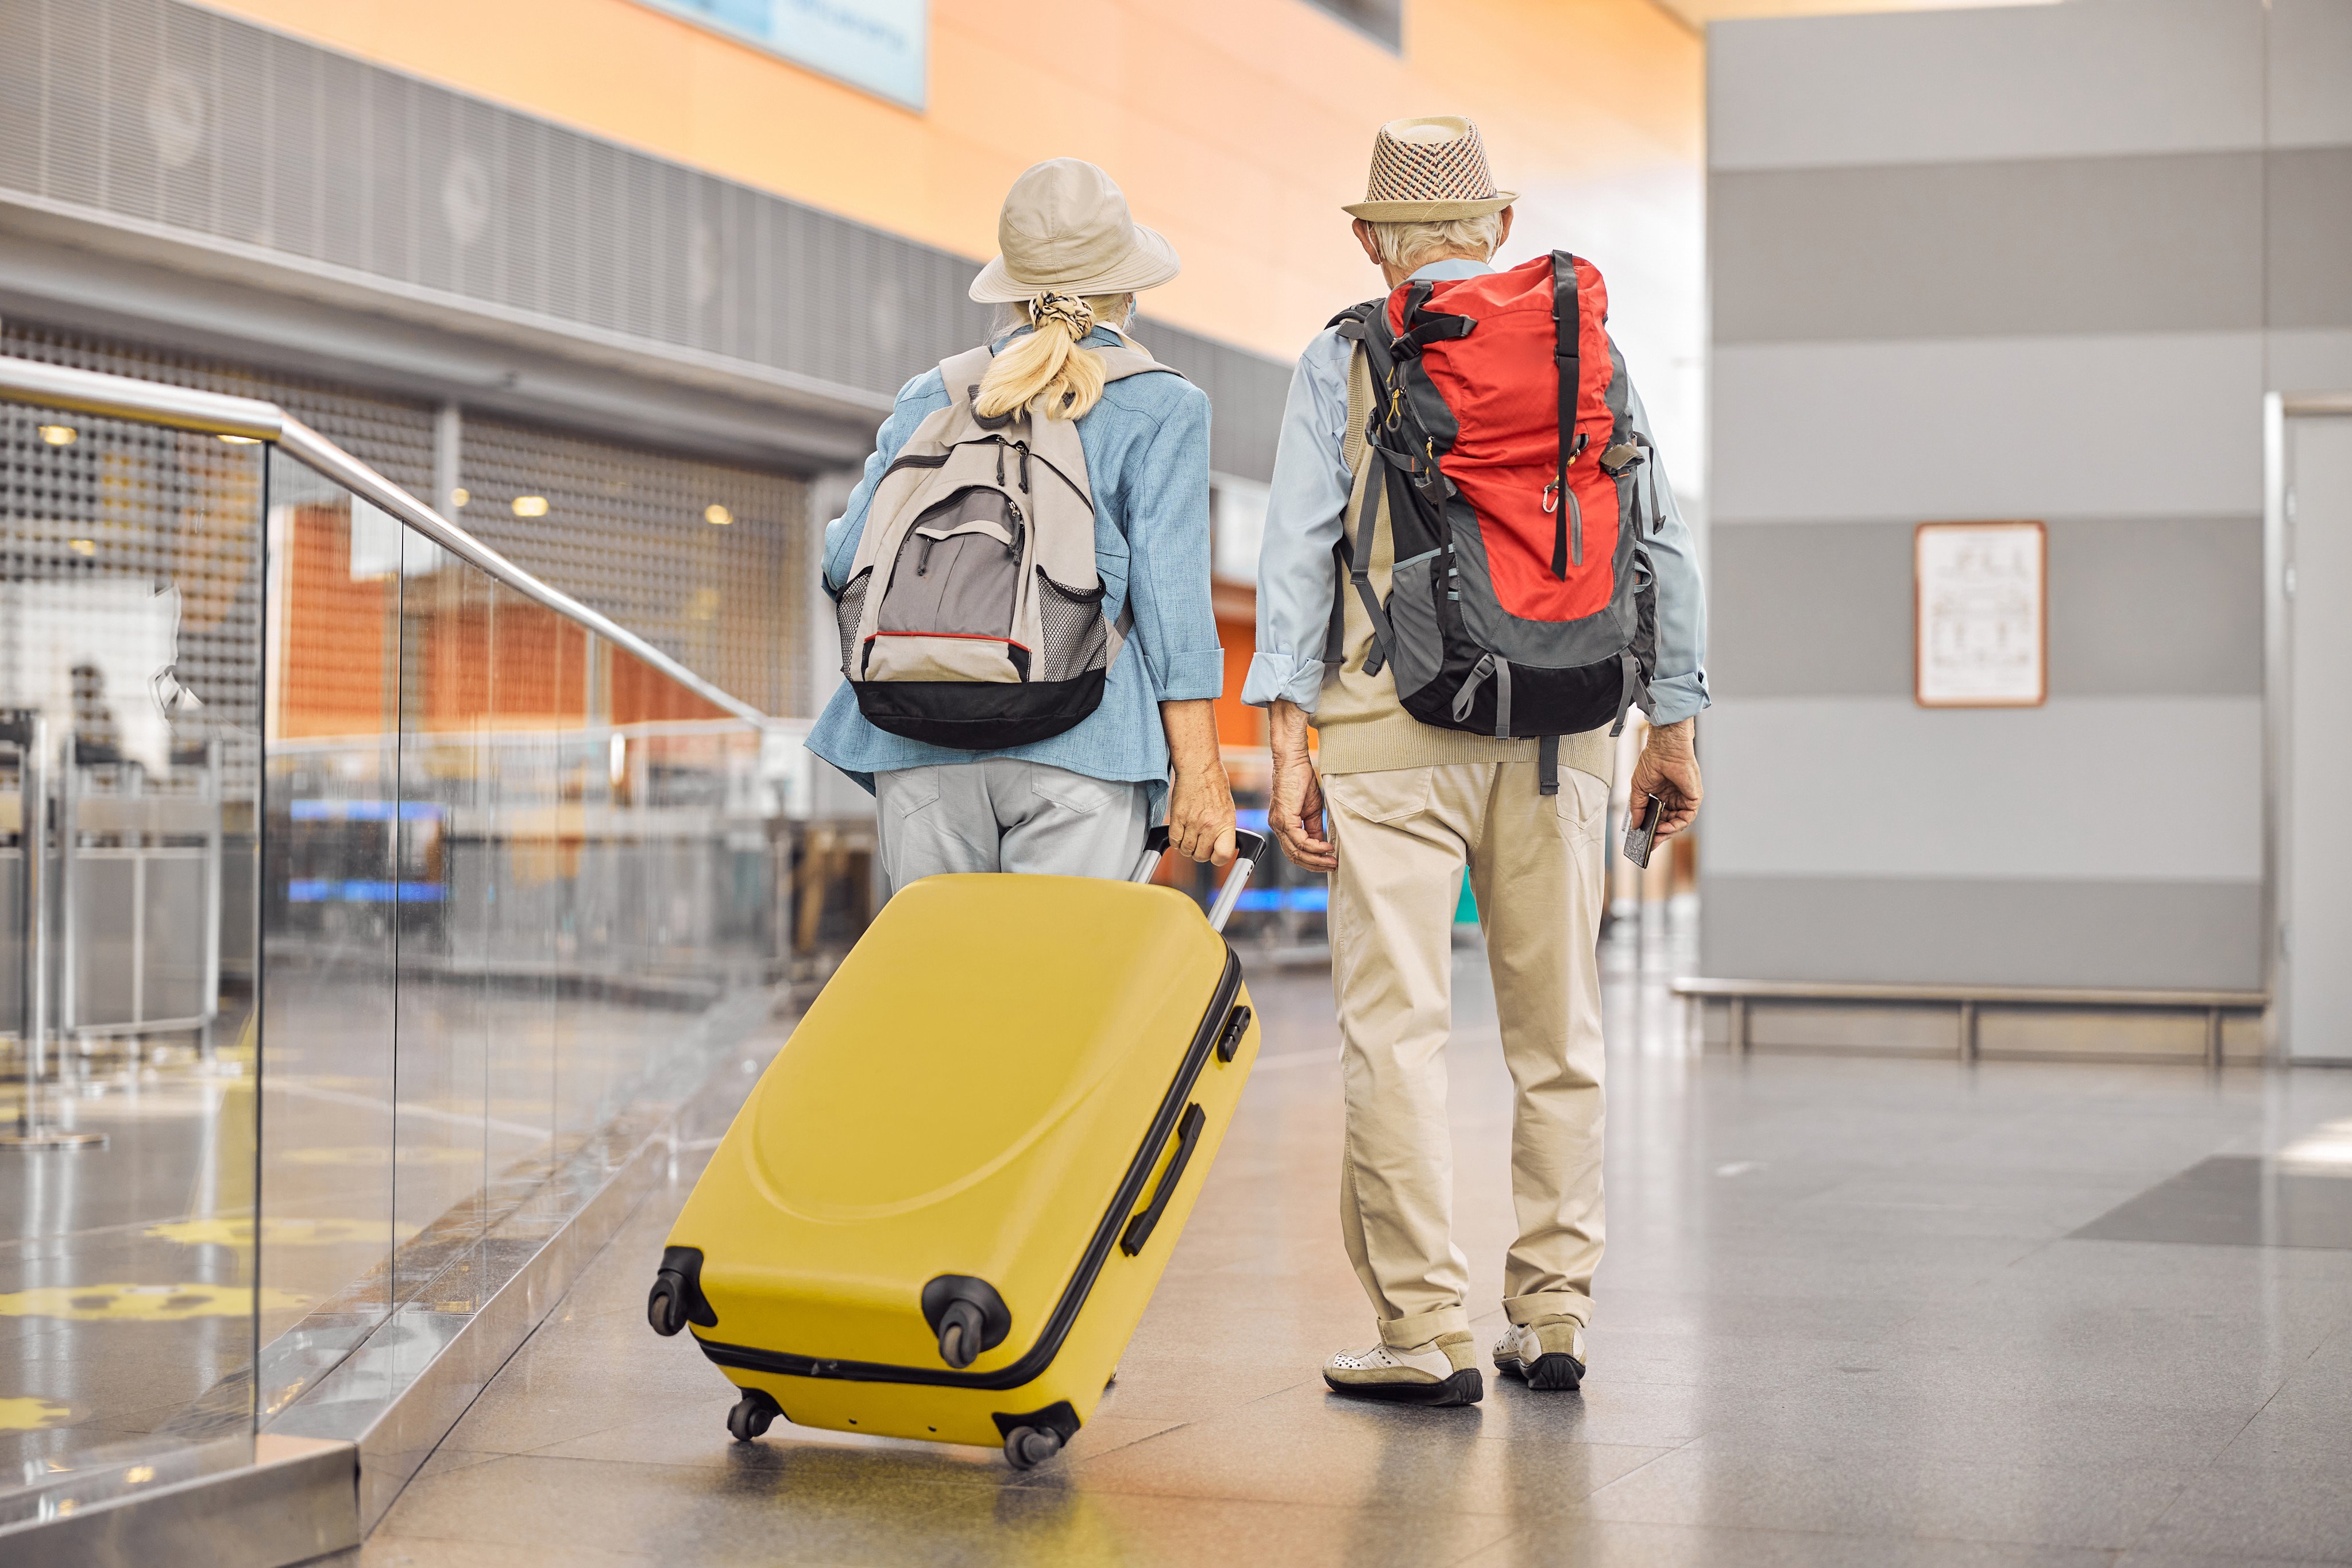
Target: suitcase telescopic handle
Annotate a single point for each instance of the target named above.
(1249, 849)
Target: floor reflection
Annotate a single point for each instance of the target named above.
(1844, 1319)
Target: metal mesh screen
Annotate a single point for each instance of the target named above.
(632, 534)
(161, 112)
(130, 581)
(391, 434)
(625, 530)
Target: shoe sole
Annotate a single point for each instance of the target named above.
(1557, 1371)
(1465, 1387)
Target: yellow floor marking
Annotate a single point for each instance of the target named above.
(146, 1303)
(237, 1231)
(31, 1414)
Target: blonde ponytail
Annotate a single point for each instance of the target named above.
(1051, 362)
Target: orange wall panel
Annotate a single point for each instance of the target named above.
(337, 633)
(1235, 126)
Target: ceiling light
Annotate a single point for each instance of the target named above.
(716, 516)
(82, 546)
(59, 435)
(530, 506)
(242, 440)
(460, 496)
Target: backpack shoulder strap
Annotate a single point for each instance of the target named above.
(1351, 562)
(1127, 358)
(962, 374)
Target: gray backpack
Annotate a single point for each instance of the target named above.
(973, 615)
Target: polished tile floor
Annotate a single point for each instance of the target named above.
(1846, 1318)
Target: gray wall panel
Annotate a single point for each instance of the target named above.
(1988, 428)
(2159, 935)
(2091, 789)
(2311, 235)
(2143, 606)
(2089, 77)
(2310, 66)
(2311, 361)
(1809, 609)
(2155, 607)
(2056, 245)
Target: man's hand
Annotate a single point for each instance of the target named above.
(1668, 769)
(1295, 812)
(1201, 800)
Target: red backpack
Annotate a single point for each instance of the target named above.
(1521, 603)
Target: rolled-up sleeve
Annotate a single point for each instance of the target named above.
(921, 398)
(1168, 551)
(1304, 504)
(1678, 684)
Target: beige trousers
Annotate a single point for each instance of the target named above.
(1536, 865)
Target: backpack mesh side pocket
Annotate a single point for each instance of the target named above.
(849, 609)
(1074, 633)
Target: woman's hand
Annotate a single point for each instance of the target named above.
(1200, 801)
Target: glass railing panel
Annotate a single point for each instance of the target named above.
(130, 700)
(448, 763)
(522, 854)
(332, 901)
(389, 902)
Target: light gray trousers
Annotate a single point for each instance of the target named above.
(1002, 814)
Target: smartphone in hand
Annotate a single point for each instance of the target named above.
(1640, 836)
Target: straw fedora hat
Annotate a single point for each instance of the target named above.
(1065, 230)
(1430, 170)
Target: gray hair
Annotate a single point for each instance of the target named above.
(1409, 244)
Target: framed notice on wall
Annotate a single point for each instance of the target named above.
(1981, 614)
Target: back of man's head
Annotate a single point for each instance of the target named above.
(1407, 246)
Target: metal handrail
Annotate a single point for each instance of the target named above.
(186, 408)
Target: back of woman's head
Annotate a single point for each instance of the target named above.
(1049, 368)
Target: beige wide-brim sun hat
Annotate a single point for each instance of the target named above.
(1430, 170)
(1065, 229)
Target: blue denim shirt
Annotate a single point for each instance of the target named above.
(1146, 446)
(1309, 491)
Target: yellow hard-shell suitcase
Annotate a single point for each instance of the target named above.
(943, 1209)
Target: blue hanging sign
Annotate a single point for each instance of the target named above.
(877, 45)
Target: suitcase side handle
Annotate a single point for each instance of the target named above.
(1188, 1138)
(1249, 849)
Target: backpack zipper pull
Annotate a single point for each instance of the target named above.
(1024, 469)
(999, 462)
(923, 558)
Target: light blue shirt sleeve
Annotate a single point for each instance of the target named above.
(1167, 495)
(1678, 683)
(921, 398)
(1304, 504)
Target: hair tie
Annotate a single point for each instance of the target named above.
(1072, 312)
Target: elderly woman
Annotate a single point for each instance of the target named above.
(1075, 802)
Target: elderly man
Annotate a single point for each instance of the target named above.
(1472, 565)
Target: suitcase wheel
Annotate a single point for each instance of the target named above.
(1026, 1447)
(675, 1299)
(752, 1415)
(666, 1305)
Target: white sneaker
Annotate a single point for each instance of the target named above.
(1546, 1353)
(1443, 1372)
